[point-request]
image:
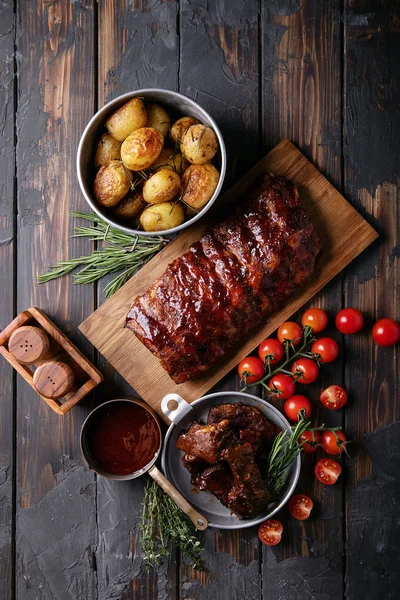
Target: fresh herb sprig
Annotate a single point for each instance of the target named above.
(119, 252)
(162, 523)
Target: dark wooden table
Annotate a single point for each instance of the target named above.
(327, 76)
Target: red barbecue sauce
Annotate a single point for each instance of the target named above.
(123, 438)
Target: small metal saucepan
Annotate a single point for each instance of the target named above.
(197, 519)
(182, 415)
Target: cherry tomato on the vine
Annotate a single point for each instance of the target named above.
(291, 332)
(270, 532)
(311, 441)
(327, 471)
(283, 385)
(251, 369)
(316, 318)
(307, 370)
(333, 442)
(326, 348)
(386, 332)
(300, 506)
(333, 397)
(349, 320)
(296, 403)
(272, 348)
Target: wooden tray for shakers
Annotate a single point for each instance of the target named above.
(47, 360)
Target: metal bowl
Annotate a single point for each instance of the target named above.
(182, 415)
(179, 105)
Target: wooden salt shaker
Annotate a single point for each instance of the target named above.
(53, 379)
(30, 345)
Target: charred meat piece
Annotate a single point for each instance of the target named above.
(249, 495)
(217, 479)
(194, 464)
(220, 289)
(243, 417)
(206, 442)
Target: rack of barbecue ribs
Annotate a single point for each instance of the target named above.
(218, 292)
(226, 456)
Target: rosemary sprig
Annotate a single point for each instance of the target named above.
(120, 252)
(162, 522)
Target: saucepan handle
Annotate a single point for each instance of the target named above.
(197, 519)
(174, 407)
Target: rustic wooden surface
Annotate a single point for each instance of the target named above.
(327, 76)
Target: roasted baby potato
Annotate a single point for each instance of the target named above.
(170, 160)
(127, 119)
(141, 148)
(199, 144)
(162, 216)
(107, 149)
(162, 186)
(158, 118)
(131, 205)
(112, 183)
(199, 182)
(180, 127)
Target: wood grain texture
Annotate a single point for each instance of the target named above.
(343, 231)
(372, 121)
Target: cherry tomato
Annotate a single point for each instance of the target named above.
(300, 506)
(307, 368)
(386, 332)
(326, 348)
(334, 397)
(290, 331)
(270, 532)
(333, 442)
(349, 320)
(272, 348)
(283, 384)
(294, 405)
(316, 318)
(251, 369)
(327, 471)
(311, 441)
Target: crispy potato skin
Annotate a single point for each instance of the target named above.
(111, 183)
(158, 118)
(162, 216)
(131, 205)
(162, 186)
(199, 144)
(127, 119)
(169, 160)
(180, 127)
(142, 148)
(199, 182)
(108, 148)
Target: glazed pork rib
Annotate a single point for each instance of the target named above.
(225, 284)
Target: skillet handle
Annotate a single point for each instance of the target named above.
(175, 407)
(197, 519)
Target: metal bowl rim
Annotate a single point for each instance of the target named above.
(128, 96)
(293, 476)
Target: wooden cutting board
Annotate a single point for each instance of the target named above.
(344, 234)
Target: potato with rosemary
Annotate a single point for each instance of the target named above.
(158, 118)
(169, 159)
(127, 119)
(180, 127)
(108, 148)
(112, 183)
(131, 205)
(160, 217)
(142, 148)
(199, 183)
(162, 186)
(199, 144)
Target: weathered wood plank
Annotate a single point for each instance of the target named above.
(302, 100)
(371, 152)
(219, 68)
(137, 48)
(56, 510)
(7, 429)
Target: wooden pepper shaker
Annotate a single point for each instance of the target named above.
(31, 345)
(53, 379)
